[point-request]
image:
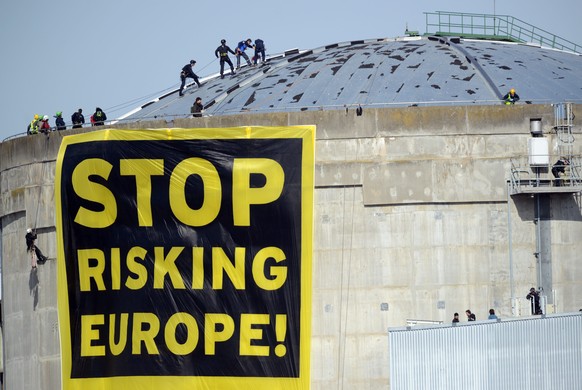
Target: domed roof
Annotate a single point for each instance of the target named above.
(384, 73)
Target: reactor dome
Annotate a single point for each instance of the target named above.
(421, 70)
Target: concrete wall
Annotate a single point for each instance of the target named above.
(411, 222)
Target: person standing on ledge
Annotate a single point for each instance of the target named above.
(99, 117)
(78, 119)
(511, 97)
(560, 168)
(492, 315)
(534, 298)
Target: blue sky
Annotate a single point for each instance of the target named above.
(65, 55)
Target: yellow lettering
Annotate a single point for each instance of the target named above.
(147, 335)
(212, 335)
(243, 195)
(87, 271)
(191, 329)
(248, 334)
(117, 348)
(212, 192)
(136, 268)
(197, 268)
(89, 334)
(143, 170)
(115, 269)
(167, 266)
(236, 272)
(279, 273)
(95, 192)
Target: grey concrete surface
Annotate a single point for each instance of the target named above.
(411, 222)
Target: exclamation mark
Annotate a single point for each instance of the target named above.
(280, 332)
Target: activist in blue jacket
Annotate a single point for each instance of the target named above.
(240, 51)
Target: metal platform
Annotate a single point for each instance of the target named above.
(543, 186)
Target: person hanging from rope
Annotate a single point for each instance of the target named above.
(36, 255)
(222, 53)
(188, 72)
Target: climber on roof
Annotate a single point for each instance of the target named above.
(240, 52)
(222, 53)
(188, 72)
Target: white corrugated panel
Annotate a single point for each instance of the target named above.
(527, 353)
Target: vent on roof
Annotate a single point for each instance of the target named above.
(291, 52)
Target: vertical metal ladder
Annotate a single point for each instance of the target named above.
(564, 116)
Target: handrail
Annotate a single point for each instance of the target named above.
(498, 27)
(523, 175)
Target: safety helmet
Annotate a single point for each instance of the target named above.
(223, 41)
(58, 113)
(45, 118)
(512, 90)
(35, 116)
(29, 230)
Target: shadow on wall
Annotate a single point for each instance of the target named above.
(558, 207)
(33, 286)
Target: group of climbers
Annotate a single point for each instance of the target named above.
(221, 53)
(40, 124)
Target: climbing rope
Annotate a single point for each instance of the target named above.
(40, 183)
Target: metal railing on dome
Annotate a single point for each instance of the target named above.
(496, 27)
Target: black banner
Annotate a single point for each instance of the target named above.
(187, 256)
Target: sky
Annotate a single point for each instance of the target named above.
(118, 54)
